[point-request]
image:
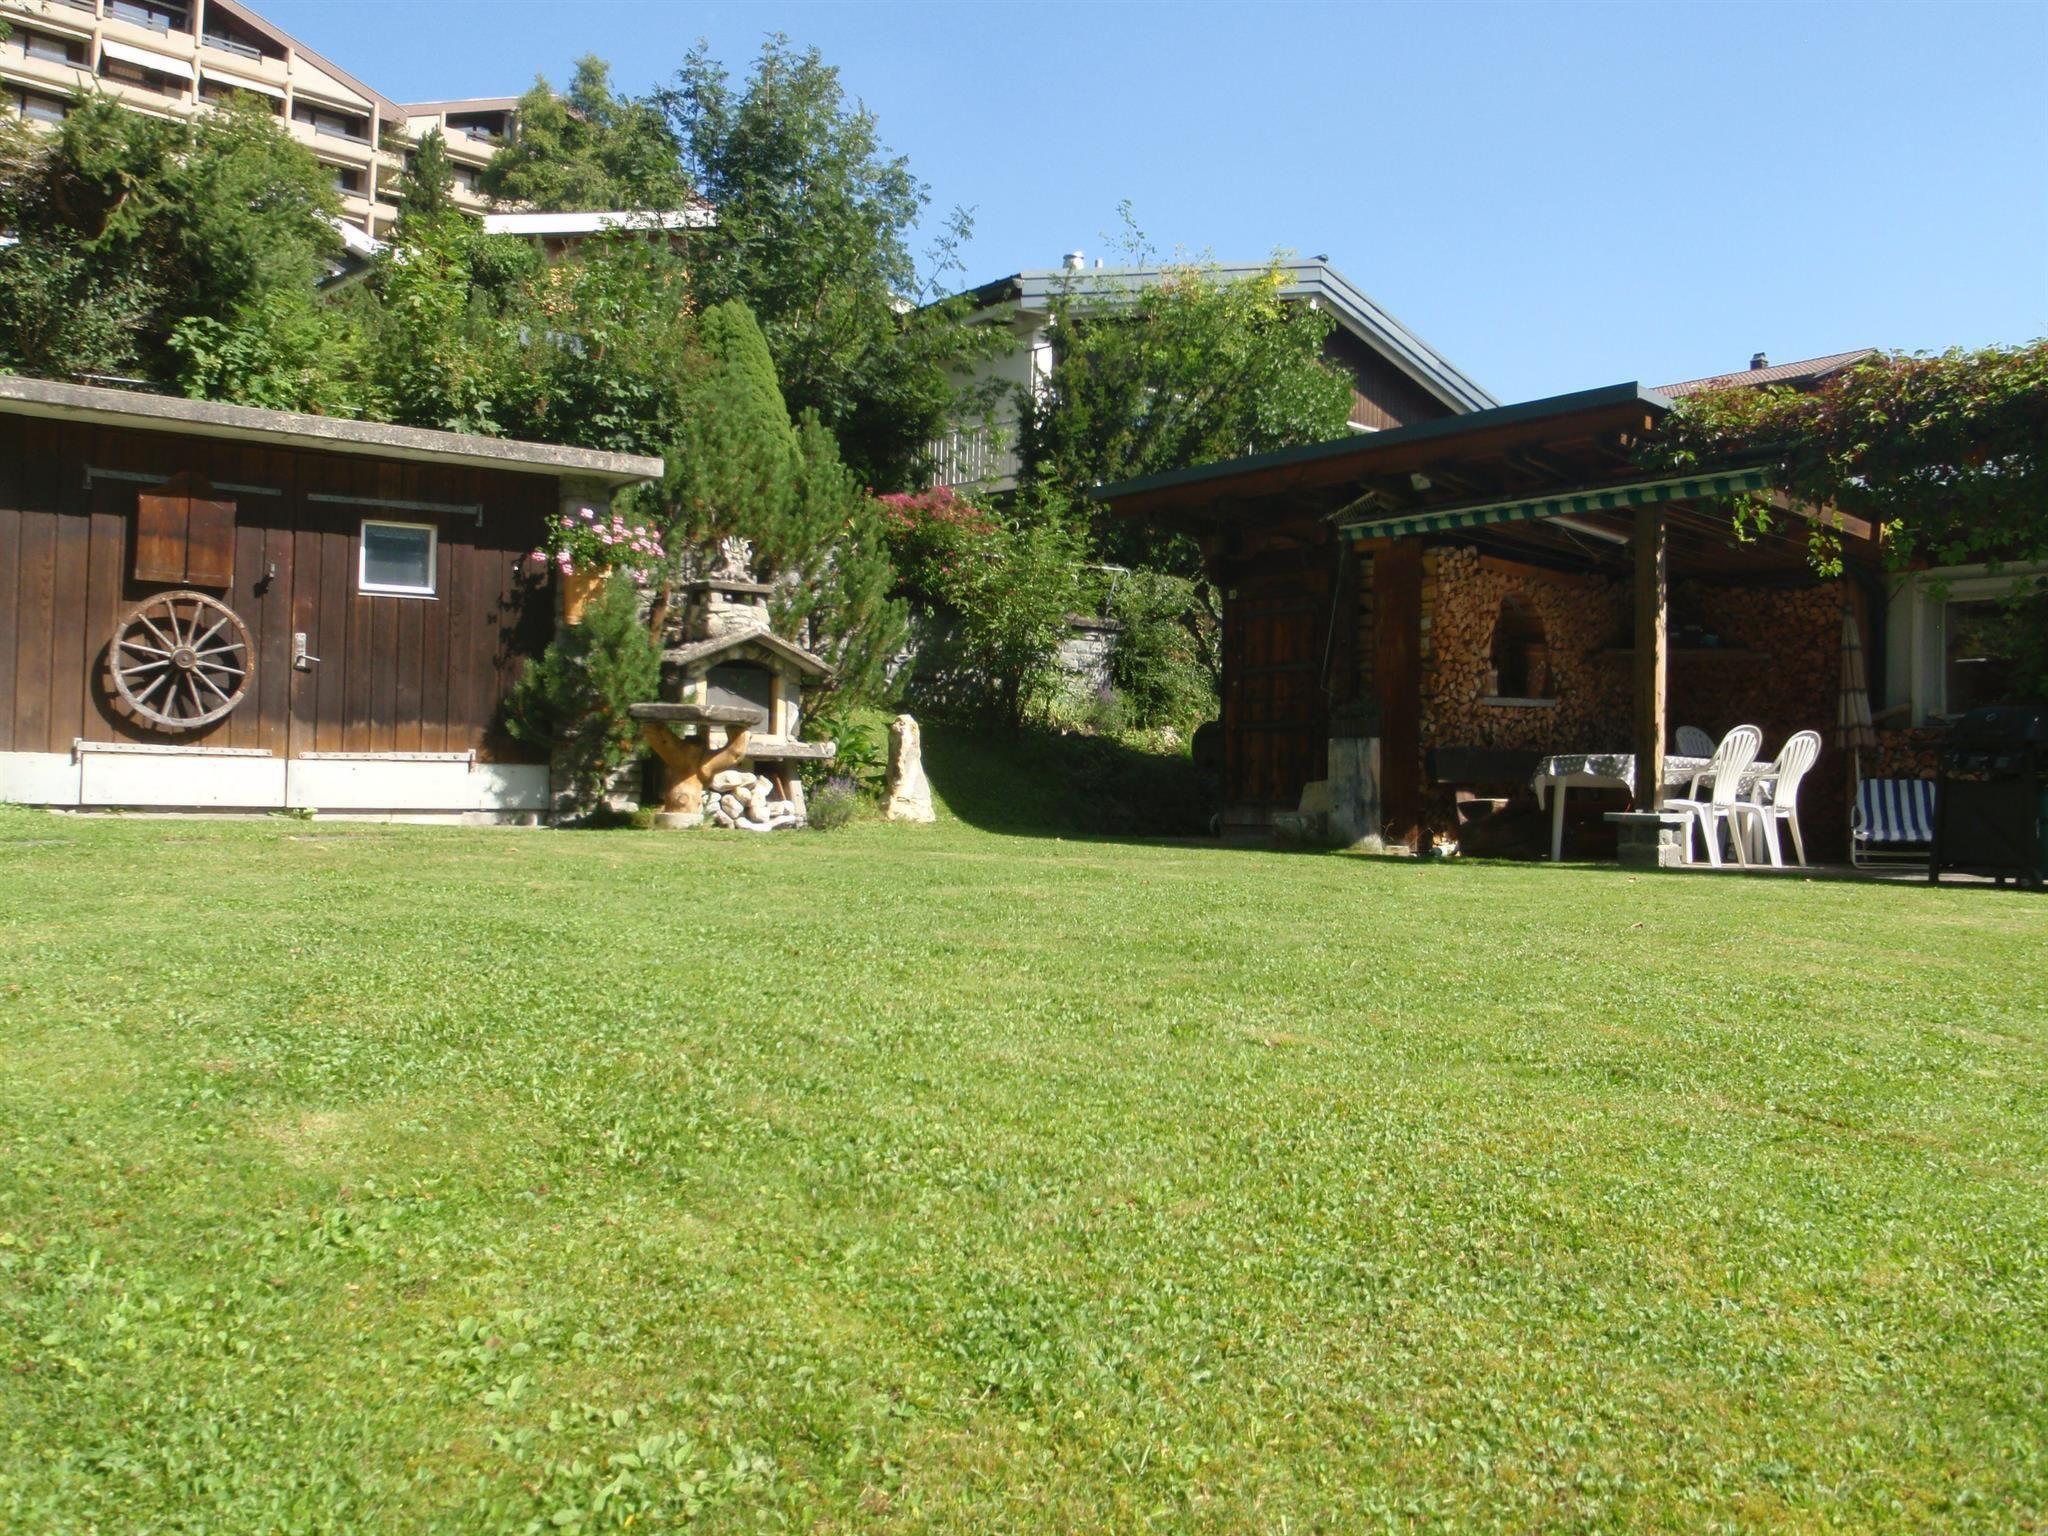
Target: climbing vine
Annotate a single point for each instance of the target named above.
(1948, 453)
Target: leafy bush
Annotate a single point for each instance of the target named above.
(861, 761)
(835, 804)
(1000, 590)
(574, 698)
(1164, 660)
(1099, 712)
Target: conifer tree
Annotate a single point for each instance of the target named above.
(741, 468)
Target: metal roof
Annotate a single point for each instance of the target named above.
(1363, 446)
(1352, 308)
(1808, 371)
(335, 434)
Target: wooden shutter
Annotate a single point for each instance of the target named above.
(209, 543)
(184, 536)
(160, 535)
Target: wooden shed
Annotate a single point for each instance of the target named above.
(208, 606)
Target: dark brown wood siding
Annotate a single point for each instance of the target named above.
(1276, 732)
(395, 673)
(1382, 396)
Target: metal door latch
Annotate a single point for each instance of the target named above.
(302, 659)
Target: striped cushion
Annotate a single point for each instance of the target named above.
(1895, 811)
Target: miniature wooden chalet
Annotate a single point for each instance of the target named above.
(727, 726)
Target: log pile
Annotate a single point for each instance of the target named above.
(1907, 754)
(1587, 703)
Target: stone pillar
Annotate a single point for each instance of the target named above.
(1649, 839)
(1354, 789)
(910, 793)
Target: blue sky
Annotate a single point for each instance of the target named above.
(1555, 195)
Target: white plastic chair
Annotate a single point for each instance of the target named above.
(1694, 742)
(1735, 753)
(1782, 803)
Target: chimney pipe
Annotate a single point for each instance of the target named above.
(1758, 360)
(1072, 262)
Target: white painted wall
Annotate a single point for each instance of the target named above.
(201, 780)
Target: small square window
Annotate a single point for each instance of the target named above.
(397, 559)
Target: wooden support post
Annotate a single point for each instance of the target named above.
(1651, 661)
(1397, 680)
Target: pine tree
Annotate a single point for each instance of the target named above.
(741, 468)
(426, 190)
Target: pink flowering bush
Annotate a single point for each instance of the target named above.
(587, 542)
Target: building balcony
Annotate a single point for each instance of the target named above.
(334, 148)
(979, 457)
(44, 75)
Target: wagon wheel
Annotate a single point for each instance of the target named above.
(181, 660)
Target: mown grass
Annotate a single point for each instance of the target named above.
(926, 1179)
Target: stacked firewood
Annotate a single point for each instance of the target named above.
(1580, 618)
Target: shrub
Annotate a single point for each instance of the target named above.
(1100, 712)
(861, 761)
(1164, 660)
(835, 803)
(574, 698)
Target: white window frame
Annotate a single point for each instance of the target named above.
(1917, 631)
(369, 588)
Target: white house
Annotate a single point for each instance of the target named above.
(1397, 378)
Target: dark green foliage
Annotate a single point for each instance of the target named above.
(862, 759)
(590, 149)
(62, 313)
(1003, 600)
(1192, 370)
(1164, 659)
(574, 698)
(738, 467)
(224, 218)
(814, 220)
(1949, 452)
(426, 190)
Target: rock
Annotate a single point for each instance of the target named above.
(732, 778)
(723, 818)
(910, 793)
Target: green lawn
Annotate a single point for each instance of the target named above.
(368, 1178)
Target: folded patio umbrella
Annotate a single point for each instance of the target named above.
(1852, 710)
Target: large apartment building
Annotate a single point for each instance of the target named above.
(174, 58)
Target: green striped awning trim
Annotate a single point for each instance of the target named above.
(1614, 499)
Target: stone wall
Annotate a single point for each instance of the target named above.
(1084, 654)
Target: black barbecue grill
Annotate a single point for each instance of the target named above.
(1991, 812)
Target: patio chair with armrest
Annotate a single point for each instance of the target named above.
(1775, 797)
(1735, 753)
(1694, 742)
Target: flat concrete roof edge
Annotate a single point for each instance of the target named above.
(339, 434)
